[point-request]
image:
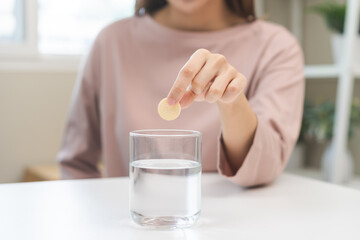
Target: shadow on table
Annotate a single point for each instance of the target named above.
(215, 187)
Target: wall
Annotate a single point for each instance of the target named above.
(33, 109)
(34, 105)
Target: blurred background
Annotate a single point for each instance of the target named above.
(42, 43)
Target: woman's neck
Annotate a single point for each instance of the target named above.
(211, 17)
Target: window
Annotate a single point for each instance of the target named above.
(11, 17)
(69, 27)
(55, 27)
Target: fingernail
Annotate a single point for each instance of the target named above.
(171, 101)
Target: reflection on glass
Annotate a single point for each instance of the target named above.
(69, 27)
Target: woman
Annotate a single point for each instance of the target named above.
(240, 80)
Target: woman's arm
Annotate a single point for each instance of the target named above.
(209, 77)
(80, 151)
(239, 123)
(258, 133)
(276, 95)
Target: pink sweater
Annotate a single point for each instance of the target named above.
(132, 66)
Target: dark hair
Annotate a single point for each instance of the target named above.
(242, 8)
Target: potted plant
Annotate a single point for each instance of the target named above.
(317, 126)
(334, 15)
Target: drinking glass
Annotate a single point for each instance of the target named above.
(165, 177)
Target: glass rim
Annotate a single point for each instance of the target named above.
(165, 133)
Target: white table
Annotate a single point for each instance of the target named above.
(291, 208)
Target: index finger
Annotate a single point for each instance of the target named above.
(186, 75)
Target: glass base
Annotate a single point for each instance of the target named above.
(166, 222)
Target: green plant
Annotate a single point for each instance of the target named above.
(318, 120)
(334, 14)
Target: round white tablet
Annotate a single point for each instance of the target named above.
(168, 112)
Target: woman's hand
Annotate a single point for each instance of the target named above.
(206, 77)
(209, 77)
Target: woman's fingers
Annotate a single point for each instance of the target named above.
(202, 82)
(214, 65)
(206, 76)
(187, 74)
(234, 89)
(218, 87)
(189, 96)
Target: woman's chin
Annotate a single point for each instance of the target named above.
(188, 7)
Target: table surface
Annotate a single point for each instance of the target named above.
(291, 208)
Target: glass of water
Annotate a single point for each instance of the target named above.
(165, 178)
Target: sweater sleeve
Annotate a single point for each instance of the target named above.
(81, 145)
(276, 96)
